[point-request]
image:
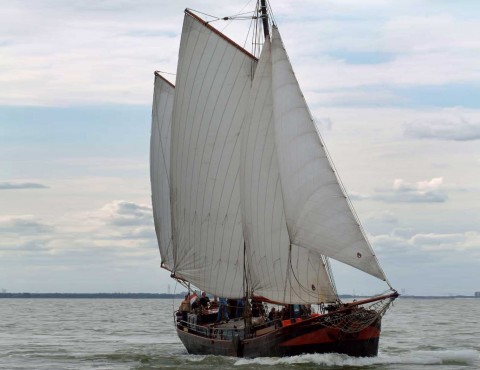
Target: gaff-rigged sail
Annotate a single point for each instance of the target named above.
(160, 166)
(213, 83)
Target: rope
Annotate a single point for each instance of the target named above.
(360, 317)
(167, 73)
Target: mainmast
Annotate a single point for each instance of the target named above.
(263, 10)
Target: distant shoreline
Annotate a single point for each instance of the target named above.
(94, 295)
(171, 296)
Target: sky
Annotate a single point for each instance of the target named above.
(394, 88)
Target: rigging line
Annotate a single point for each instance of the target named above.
(305, 289)
(167, 73)
(287, 275)
(241, 10)
(347, 198)
(208, 15)
(256, 39)
(248, 33)
(272, 17)
(328, 268)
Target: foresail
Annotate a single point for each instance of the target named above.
(318, 215)
(213, 82)
(276, 272)
(160, 166)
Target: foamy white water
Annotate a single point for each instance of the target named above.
(139, 334)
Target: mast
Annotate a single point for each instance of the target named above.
(263, 10)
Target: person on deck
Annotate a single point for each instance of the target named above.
(214, 303)
(196, 306)
(272, 314)
(205, 301)
(239, 310)
(222, 310)
(185, 307)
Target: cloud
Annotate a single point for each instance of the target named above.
(115, 224)
(81, 44)
(440, 129)
(23, 225)
(428, 191)
(449, 248)
(385, 217)
(323, 124)
(21, 185)
(125, 214)
(357, 196)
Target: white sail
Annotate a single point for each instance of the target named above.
(160, 166)
(299, 277)
(318, 215)
(213, 83)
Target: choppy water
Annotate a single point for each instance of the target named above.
(139, 334)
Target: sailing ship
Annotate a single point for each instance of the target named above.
(248, 206)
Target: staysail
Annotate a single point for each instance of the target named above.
(278, 271)
(319, 217)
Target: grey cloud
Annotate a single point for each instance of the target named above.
(23, 226)
(384, 217)
(421, 192)
(21, 185)
(405, 233)
(323, 124)
(411, 197)
(131, 214)
(141, 233)
(435, 239)
(33, 245)
(357, 196)
(130, 207)
(458, 130)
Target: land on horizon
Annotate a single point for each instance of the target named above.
(177, 295)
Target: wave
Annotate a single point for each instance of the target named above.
(458, 357)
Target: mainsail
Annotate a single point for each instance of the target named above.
(244, 194)
(213, 84)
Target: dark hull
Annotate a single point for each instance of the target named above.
(309, 336)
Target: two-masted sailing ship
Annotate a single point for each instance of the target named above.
(247, 204)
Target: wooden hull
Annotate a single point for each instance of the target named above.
(309, 336)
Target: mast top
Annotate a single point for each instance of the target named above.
(263, 10)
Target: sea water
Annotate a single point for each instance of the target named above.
(139, 334)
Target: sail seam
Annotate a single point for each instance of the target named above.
(233, 150)
(194, 124)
